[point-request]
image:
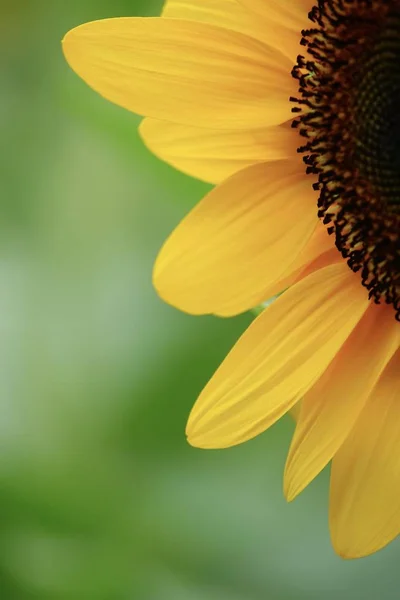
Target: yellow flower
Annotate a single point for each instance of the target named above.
(229, 100)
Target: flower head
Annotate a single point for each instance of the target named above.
(292, 109)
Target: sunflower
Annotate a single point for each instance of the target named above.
(292, 110)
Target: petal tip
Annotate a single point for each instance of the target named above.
(291, 489)
(203, 438)
(347, 550)
(289, 492)
(293, 483)
(162, 283)
(351, 546)
(65, 42)
(190, 434)
(70, 45)
(346, 553)
(191, 440)
(197, 441)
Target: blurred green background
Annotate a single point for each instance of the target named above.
(100, 496)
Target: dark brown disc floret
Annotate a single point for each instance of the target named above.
(348, 112)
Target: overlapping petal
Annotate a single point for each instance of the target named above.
(365, 478)
(237, 240)
(213, 76)
(214, 155)
(293, 14)
(278, 359)
(224, 13)
(183, 71)
(331, 408)
(283, 21)
(319, 252)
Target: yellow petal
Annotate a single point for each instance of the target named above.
(183, 71)
(295, 410)
(303, 265)
(319, 252)
(224, 13)
(365, 479)
(281, 355)
(319, 243)
(332, 406)
(214, 155)
(240, 237)
(289, 13)
(283, 22)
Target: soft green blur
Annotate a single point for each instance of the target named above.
(101, 498)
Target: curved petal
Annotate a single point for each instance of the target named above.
(183, 71)
(365, 478)
(283, 21)
(303, 266)
(332, 406)
(292, 14)
(224, 13)
(281, 355)
(319, 252)
(214, 155)
(295, 410)
(240, 237)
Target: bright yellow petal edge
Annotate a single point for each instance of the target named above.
(213, 79)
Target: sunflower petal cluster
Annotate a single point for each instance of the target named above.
(213, 80)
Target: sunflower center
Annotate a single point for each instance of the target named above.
(348, 111)
(377, 115)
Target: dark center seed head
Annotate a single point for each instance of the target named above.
(348, 112)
